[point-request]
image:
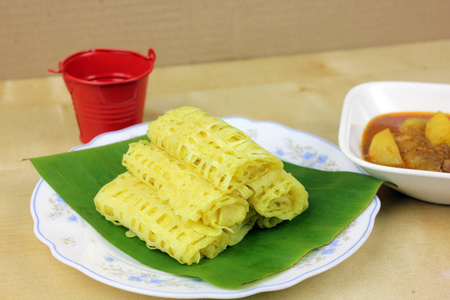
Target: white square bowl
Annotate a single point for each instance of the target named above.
(368, 100)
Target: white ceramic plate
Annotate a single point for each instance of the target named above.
(76, 243)
(368, 100)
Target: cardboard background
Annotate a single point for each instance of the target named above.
(36, 35)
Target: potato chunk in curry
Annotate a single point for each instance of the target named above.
(437, 130)
(384, 150)
(412, 124)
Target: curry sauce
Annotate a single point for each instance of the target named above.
(416, 151)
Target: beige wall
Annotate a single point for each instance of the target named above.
(35, 35)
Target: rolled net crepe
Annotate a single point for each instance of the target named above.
(191, 197)
(230, 160)
(221, 153)
(277, 196)
(129, 202)
(198, 187)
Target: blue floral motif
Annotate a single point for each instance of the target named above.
(322, 159)
(332, 247)
(59, 199)
(61, 209)
(308, 155)
(328, 251)
(134, 278)
(334, 243)
(73, 218)
(280, 152)
(114, 266)
(156, 281)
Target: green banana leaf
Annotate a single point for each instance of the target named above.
(336, 199)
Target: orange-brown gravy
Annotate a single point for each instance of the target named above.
(419, 153)
(393, 121)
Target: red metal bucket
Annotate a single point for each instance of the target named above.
(108, 88)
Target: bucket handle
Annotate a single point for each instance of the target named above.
(151, 55)
(58, 71)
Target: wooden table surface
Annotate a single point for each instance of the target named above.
(407, 256)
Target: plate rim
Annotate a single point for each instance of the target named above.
(225, 293)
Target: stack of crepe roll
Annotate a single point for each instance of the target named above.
(198, 187)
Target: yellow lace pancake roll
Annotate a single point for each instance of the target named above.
(221, 153)
(230, 160)
(191, 197)
(135, 205)
(277, 196)
(198, 186)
